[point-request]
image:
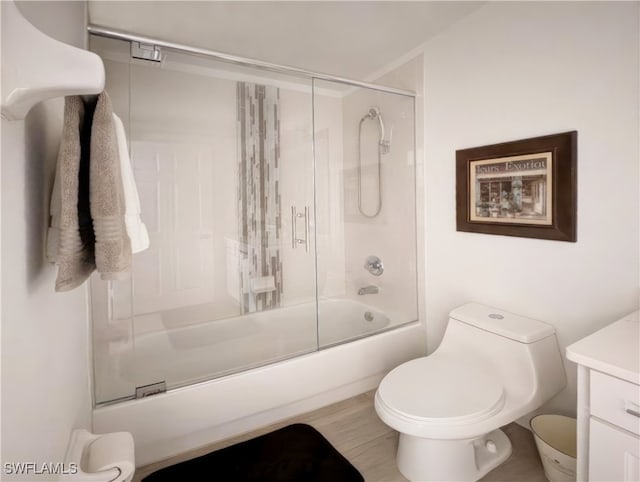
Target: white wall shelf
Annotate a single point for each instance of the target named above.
(36, 67)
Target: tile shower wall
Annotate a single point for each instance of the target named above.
(259, 200)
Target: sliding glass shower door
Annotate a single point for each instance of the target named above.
(222, 157)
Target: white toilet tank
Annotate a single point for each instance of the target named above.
(522, 351)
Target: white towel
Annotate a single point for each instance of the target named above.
(136, 230)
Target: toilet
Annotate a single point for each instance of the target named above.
(491, 368)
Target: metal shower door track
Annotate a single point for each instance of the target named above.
(123, 35)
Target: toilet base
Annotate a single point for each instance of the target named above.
(421, 459)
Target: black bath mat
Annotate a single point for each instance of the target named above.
(296, 453)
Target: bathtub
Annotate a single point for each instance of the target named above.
(308, 367)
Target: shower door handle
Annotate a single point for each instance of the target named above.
(294, 233)
(294, 228)
(306, 228)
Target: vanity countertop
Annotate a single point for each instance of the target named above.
(614, 349)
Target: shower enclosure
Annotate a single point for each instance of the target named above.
(281, 211)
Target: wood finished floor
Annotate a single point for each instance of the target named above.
(353, 428)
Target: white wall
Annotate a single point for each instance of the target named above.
(45, 363)
(516, 70)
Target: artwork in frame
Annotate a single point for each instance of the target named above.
(521, 188)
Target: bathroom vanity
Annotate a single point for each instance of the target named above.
(609, 402)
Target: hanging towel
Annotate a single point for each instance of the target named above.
(70, 240)
(136, 230)
(113, 247)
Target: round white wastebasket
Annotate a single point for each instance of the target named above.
(555, 437)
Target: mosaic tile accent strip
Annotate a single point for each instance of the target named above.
(260, 222)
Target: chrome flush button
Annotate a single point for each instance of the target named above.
(496, 316)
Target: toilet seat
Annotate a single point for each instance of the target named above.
(441, 389)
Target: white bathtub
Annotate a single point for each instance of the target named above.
(191, 353)
(300, 377)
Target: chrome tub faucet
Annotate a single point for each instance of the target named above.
(368, 290)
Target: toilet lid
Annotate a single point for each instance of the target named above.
(442, 389)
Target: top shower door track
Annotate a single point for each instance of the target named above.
(284, 69)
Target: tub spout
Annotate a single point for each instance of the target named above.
(368, 290)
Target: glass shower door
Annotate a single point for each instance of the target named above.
(223, 164)
(366, 211)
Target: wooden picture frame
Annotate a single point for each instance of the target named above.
(524, 188)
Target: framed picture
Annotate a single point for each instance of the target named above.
(522, 188)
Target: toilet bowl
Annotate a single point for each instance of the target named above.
(491, 368)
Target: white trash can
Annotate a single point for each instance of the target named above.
(555, 437)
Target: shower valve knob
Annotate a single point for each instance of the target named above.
(373, 265)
